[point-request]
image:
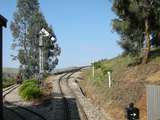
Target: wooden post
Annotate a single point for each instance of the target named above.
(148, 45)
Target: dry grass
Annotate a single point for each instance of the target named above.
(128, 85)
(48, 87)
(47, 90)
(155, 77)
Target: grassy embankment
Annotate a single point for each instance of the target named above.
(128, 84)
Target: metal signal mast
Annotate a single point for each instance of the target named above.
(43, 33)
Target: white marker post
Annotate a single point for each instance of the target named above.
(109, 79)
(93, 70)
(92, 65)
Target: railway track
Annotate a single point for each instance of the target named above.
(78, 102)
(71, 105)
(22, 111)
(88, 110)
(18, 110)
(70, 100)
(14, 112)
(9, 90)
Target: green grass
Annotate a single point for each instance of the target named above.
(122, 73)
(30, 90)
(116, 65)
(128, 80)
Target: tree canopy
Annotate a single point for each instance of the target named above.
(136, 20)
(25, 27)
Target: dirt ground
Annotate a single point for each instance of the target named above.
(131, 87)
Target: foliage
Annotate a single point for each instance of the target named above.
(45, 75)
(105, 69)
(136, 19)
(97, 65)
(128, 82)
(28, 21)
(135, 61)
(30, 90)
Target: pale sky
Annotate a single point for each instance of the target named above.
(83, 29)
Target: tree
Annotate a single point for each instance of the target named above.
(136, 19)
(27, 23)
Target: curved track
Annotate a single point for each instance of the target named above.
(63, 82)
(9, 90)
(67, 110)
(78, 102)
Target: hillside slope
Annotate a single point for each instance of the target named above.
(128, 85)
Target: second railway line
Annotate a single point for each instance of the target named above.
(74, 110)
(66, 107)
(66, 102)
(19, 111)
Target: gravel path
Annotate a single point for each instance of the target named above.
(53, 108)
(93, 112)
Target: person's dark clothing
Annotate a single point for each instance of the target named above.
(132, 113)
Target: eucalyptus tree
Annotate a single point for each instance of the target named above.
(136, 19)
(26, 24)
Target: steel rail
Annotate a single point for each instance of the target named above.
(7, 88)
(10, 90)
(26, 109)
(12, 104)
(77, 100)
(66, 108)
(16, 113)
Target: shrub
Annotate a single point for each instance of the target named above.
(27, 83)
(135, 61)
(97, 65)
(45, 75)
(105, 70)
(30, 90)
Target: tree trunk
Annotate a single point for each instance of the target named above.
(148, 46)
